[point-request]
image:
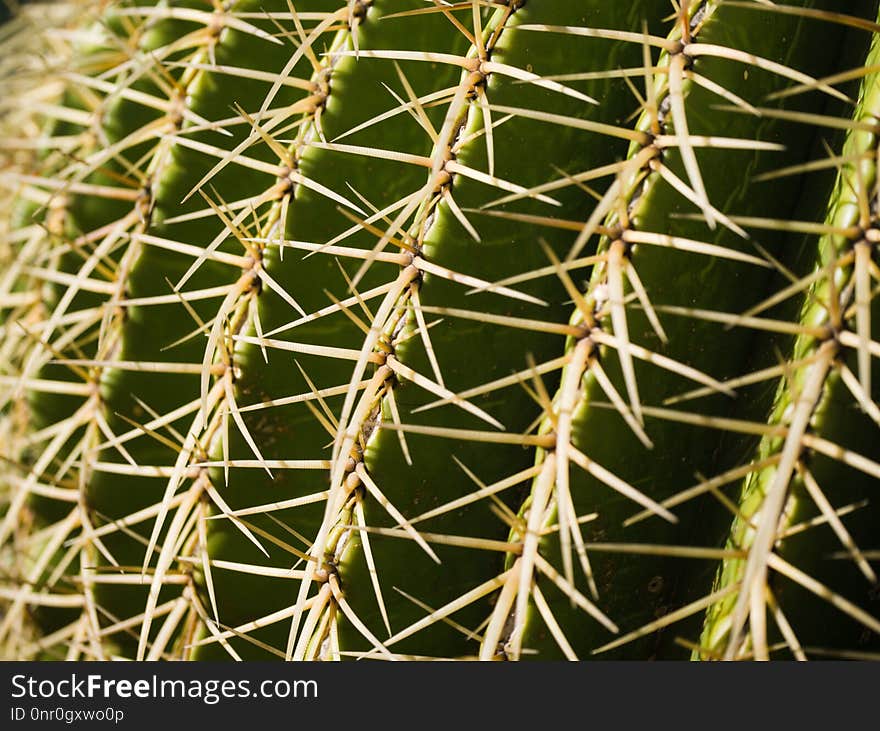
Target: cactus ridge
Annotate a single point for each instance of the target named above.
(398, 330)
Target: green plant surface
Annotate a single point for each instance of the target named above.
(92, 207)
(819, 444)
(630, 576)
(434, 478)
(343, 329)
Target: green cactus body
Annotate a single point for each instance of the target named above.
(827, 456)
(505, 248)
(119, 130)
(379, 328)
(608, 472)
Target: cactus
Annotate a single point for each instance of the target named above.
(534, 329)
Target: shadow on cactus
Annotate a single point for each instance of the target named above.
(337, 329)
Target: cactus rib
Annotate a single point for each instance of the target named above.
(814, 405)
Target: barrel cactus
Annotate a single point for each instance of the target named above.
(393, 329)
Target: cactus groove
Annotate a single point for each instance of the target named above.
(405, 330)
